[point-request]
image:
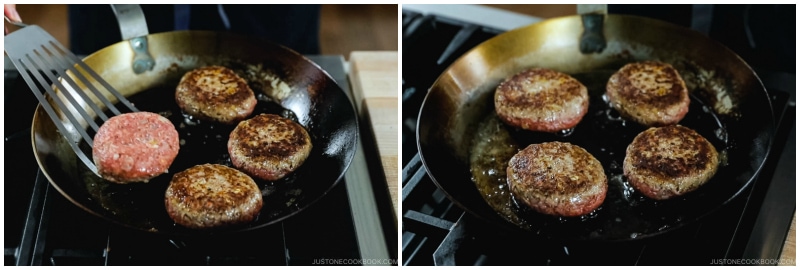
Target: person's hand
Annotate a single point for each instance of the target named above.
(10, 11)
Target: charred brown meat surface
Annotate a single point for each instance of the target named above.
(269, 146)
(215, 93)
(670, 161)
(211, 195)
(650, 93)
(557, 178)
(541, 99)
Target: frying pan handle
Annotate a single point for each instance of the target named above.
(592, 39)
(133, 27)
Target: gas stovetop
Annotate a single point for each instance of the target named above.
(749, 230)
(44, 228)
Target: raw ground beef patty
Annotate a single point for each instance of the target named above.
(135, 147)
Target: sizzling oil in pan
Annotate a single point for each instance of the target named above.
(604, 134)
(141, 205)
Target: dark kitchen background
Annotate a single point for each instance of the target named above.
(759, 224)
(342, 29)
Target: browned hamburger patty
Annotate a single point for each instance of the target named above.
(557, 178)
(135, 147)
(211, 195)
(269, 146)
(541, 99)
(650, 93)
(670, 161)
(215, 93)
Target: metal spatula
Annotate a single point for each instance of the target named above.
(56, 75)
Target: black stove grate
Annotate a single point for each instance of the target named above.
(437, 232)
(430, 44)
(57, 239)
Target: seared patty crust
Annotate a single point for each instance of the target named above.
(557, 178)
(541, 99)
(269, 146)
(650, 93)
(215, 93)
(135, 147)
(666, 162)
(211, 195)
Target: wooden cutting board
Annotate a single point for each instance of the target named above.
(789, 251)
(374, 78)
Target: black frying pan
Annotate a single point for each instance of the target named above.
(729, 106)
(286, 83)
